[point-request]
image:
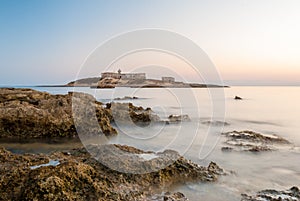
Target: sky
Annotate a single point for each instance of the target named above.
(251, 42)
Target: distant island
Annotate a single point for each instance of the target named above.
(133, 80)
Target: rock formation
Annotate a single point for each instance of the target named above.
(252, 141)
(178, 118)
(215, 123)
(81, 177)
(26, 113)
(293, 194)
(127, 113)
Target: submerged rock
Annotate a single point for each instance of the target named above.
(252, 141)
(178, 118)
(80, 177)
(26, 113)
(127, 98)
(216, 123)
(293, 194)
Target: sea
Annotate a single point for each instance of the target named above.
(271, 110)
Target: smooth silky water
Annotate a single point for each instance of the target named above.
(268, 110)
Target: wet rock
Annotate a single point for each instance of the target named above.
(178, 118)
(215, 123)
(78, 176)
(214, 168)
(26, 113)
(293, 194)
(226, 149)
(252, 141)
(127, 113)
(237, 98)
(174, 197)
(168, 196)
(127, 98)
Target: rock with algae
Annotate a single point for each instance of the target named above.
(78, 176)
(27, 113)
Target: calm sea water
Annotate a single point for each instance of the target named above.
(270, 110)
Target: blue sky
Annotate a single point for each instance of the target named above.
(250, 42)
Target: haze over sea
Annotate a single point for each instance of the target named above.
(268, 110)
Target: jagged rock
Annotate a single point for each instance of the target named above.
(81, 177)
(293, 194)
(127, 113)
(252, 141)
(26, 113)
(174, 197)
(178, 118)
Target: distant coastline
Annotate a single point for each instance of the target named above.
(132, 80)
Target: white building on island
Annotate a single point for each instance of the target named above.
(168, 79)
(125, 76)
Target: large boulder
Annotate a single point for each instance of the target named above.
(26, 113)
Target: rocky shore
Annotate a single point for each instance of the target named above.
(105, 172)
(26, 113)
(75, 175)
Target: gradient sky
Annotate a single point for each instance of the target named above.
(250, 42)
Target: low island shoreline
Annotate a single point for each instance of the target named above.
(131, 80)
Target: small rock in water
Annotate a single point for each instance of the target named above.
(226, 149)
(216, 123)
(293, 194)
(214, 168)
(252, 141)
(237, 98)
(126, 98)
(178, 118)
